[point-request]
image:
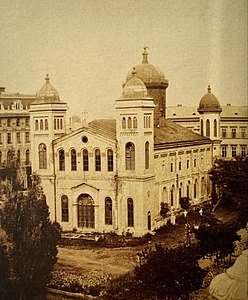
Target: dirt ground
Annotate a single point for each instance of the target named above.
(116, 261)
(113, 261)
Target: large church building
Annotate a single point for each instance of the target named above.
(113, 174)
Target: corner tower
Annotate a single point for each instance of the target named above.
(155, 82)
(47, 122)
(135, 164)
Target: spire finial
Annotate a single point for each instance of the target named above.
(209, 88)
(47, 78)
(145, 55)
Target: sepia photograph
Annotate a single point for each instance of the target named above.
(123, 150)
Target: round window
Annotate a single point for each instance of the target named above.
(84, 139)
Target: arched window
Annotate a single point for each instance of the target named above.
(215, 128)
(124, 125)
(27, 157)
(46, 124)
(172, 196)
(130, 156)
(64, 209)
(97, 160)
(180, 191)
(149, 220)
(147, 155)
(73, 160)
(108, 211)
(85, 160)
(195, 188)
(188, 189)
(1, 157)
(130, 213)
(202, 127)
(36, 125)
(42, 156)
(110, 157)
(61, 160)
(41, 125)
(10, 155)
(135, 122)
(18, 155)
(129, 122)
(208, 128)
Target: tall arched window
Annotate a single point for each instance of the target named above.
(64, 209)
(73, 160)
(129, 122)
(124, 125)
(172, 196)
(110, 158)
(202, 127)
(85, 160)
(61, 160)
(130, 156)
(208, 128)
(188, 189)
(97, 160)
(135, 122)
(147, 155)
(1, 157)
(130, 213)
(42, 156)
(46, 124)
(215, 128)
(195, 188)
(41, 125)
(10, 155)
(36, 125)
(27, 157)
(108, 211)
(180, 190)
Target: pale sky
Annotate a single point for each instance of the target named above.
(88, 47)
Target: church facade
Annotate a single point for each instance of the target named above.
(113, 175)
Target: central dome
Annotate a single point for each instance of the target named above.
(148, 73)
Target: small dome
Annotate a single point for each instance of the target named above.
(48, 93)
(134, 88)
(209, 103)
(148, 73)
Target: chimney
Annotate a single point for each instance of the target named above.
(2, 89)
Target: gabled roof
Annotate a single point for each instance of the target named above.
(104, 127)
(174, 135)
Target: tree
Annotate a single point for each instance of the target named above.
(231, 177)
(184, 202)
(216, 238)
(170, 273)
(164, 209)
(33, 238)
